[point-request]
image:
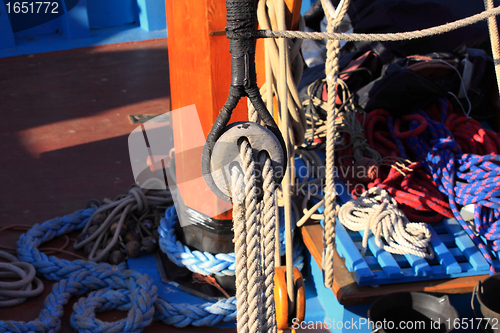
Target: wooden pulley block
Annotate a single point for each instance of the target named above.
(226, 152)
(284, 313)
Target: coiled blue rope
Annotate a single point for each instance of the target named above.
(441, 160)
(113, 283)
(480, 186)
(463, 178)
(222, 264)
(77, 278)
(208, 314)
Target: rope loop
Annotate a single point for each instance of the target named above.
(101, 277)
(376, 211)
(140, 197)
(16, 292)
(84, 318)
(77, 277)
(204, 263)
(415, 119)
(221, 264)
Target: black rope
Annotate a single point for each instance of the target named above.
(240, 29)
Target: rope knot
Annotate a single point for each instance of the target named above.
(140, 198)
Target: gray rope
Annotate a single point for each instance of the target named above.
(17, 292)
(240, 248)
(138, 199)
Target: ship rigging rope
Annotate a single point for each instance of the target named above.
(254, 271)
(267, 17)
(331, 208)
(17, 291)
(78, 277)
(383, 37)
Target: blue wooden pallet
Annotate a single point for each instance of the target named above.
(455, 255)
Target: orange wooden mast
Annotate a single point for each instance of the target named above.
(200, 74)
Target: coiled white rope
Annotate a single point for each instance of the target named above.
(377, 212)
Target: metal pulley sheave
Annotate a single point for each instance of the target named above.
(241, 21)
(226, 152)
(222, 148)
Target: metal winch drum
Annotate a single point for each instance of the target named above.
(488, 293)
(423, 312)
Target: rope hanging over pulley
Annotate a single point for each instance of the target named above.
(254, 220)
(241, 20)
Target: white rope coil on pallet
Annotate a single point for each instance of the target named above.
(377, 212)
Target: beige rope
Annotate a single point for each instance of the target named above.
(384, 37)
(268, 214)
(351, 125)
(347, 122)
(253, 226)
(494, 39)
(269, 220)
(285, 126)
(331, 69)
(376, 211)
(268, 15)
(240, 248)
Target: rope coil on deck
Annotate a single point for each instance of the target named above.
(17, 292)
(376, 211)
(79, 276)
(206, 263)
(476, 181)
(442, 159)
(383, 37)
